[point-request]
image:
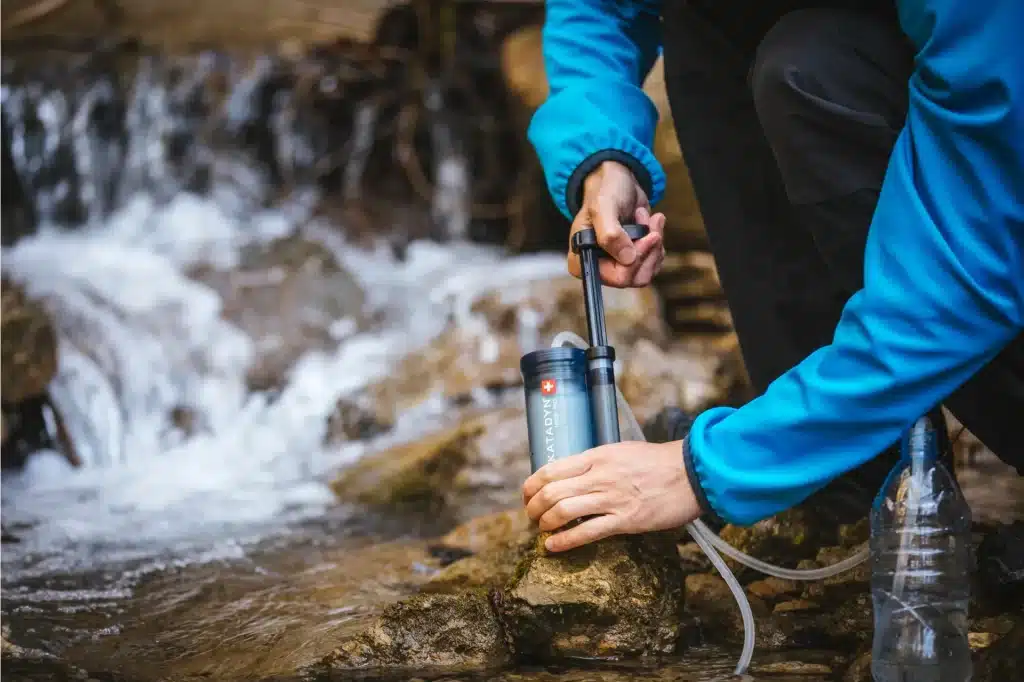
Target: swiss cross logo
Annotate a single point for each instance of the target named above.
(548, 387)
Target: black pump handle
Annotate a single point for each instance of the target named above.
(587, 238)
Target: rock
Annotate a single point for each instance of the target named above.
(28, 342)
(557, 305)
(1001, 564)
(709, 597)
(620, 597)
(356, 419)
(456, 364)
(419, 475)
(792, 668)
(843, 585)
(653, 379)
(693, 558)
(797, 605)
(853, 535)
(450, 631)
(1004, 660)
(772, 589)
(494, 545)
(291, 296)
(452, 475)
(807, 624)
(501, 529)
(780, 540)
(860, 669)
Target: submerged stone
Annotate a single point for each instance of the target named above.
(620, 597)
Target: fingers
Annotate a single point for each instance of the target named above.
(560, 469)
(572, 508)
(650, 253)
(591, 530)
(610, 235)
(557, 491)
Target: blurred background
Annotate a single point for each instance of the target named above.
(262, 262)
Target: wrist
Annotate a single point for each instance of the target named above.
(590, 166)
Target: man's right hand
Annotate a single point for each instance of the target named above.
(611, 195)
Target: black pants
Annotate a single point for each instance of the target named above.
(786, 114)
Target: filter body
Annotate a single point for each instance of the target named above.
(558, 415)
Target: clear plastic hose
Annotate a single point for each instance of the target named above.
(709, 541)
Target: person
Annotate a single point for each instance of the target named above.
(860, 171)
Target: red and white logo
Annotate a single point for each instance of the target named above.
(548, 387)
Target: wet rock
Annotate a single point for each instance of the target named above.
(792, 668)
(420, 474)
(693, 559)
(806, 624)
(709, 597)
(843, 585)
(454, 366)
(356, 419)
(860, 669)
(1004, 660)
(450, 631)
(28, 342)
(505, 528)
(772, 589)
(797, 606)
(621, 597)
(492, 545)
(291, 296)
(453, 475)
(780, 540)
(1000, 559)
(653, 379)
(853, 535)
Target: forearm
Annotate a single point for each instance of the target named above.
(597, 54)
(944, 292)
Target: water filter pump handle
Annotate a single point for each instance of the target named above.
(587, 238)
(600, 355)
(584, 244)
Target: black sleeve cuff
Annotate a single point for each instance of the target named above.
(707, 512)
(574, 188)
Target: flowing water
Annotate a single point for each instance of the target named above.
(179, 545)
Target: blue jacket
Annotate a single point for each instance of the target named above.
(944, 266)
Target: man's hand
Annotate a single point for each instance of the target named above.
(611, 195)
(632, 487)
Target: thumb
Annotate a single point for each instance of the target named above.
(610, 235)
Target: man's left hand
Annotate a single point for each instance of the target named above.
(632, 487)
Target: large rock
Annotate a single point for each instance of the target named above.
(621, 597)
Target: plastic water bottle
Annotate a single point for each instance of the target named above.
(920, 580)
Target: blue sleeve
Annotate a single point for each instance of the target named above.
(597, 54)
(944, 278)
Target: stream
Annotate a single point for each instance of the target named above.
(200, 532)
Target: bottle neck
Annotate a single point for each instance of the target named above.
(921, 442)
